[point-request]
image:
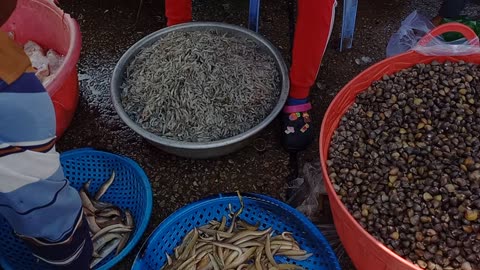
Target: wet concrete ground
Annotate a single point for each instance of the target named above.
(109, 28)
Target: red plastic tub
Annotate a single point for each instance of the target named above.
(365, 251)
(45, 23)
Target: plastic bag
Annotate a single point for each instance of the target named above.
(434, 44)
(310, 187)
(417, 27)
(40, 64)
(54, 61)
(46, 65)
(412, 29)
(31, 48)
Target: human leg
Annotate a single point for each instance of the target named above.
(178, 11)
(35, 197)
(312, 32)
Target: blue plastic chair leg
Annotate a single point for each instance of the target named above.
(348, 23)
(253, 15)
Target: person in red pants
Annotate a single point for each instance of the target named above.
(312, 32)
(178, 11)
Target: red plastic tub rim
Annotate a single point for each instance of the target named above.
(73, 53)
(346, 97)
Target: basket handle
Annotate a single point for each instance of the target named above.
(466, 31)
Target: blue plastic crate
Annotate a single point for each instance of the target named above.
(130, 190)
(258, 208)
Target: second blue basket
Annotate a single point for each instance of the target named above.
(258, 208)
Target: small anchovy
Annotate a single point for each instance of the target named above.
(109, 212)
(99, 243)
(108, 248)
(92, 224)
(105, 187)
(123, 242)
(105, 222)
(86, 186)
(101, 205)
(110, 228)
(86, 202)
(205, 85)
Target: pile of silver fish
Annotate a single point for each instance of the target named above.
(110, 227)
(201, 86)
(239, 245)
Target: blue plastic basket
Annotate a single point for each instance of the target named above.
(258, 208)
(130, 190)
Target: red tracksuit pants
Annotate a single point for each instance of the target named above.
(312, 32)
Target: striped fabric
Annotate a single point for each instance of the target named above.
(35, 197)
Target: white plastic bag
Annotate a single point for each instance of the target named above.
(417, 27)
(433, 44)
(412, 29)
(40, 64)
(31, 48)
(46, 66)
(310, 187)
(54, 61)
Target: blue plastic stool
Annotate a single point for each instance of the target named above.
(254, 15)
(348, 24)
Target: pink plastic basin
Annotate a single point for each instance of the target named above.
(45, 23)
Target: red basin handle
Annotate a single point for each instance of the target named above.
(466, 31)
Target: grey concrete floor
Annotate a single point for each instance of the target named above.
(109, 28)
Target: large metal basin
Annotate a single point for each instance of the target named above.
(199, 149)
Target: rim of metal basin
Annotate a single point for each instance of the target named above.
(118, 75)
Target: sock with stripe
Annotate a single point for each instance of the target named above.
(295, 101)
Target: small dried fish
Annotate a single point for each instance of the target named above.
(107, 249)
(189, 245)
(248, 226)
(92, 224)
(247, 233)
(86, 185)
(126, 236)
(110, 227)
(103, 222)
(210, 247)
(104, 187)
(268, 251)
(200, 86)
(99, 243)
(101, 205)
(86, 203)
(109, 212)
